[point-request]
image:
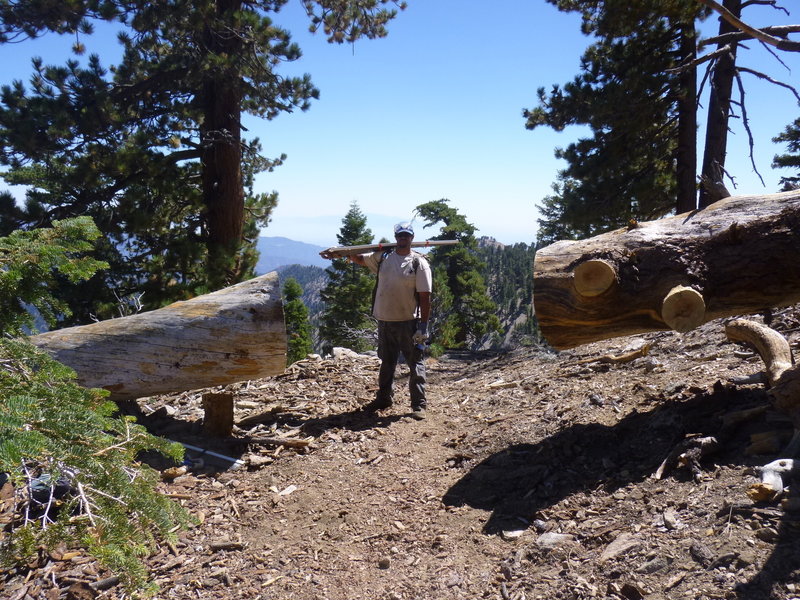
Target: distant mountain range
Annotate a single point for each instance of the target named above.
(279, 252)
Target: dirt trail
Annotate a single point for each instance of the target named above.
(531, 478)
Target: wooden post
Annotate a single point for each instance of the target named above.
(218, 417)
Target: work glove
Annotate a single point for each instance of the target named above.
(421, 335)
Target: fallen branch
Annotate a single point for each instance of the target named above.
(272, 441)
(217, 546)
(619, 358)
(782, 376)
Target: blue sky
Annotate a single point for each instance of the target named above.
(435, 111)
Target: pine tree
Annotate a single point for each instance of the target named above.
(462, 312)
(298, 327)
(72, 460)
(509, 277)
(638, 93)
(154, 150)
(631, 100)
(31, 263)
(347, 320)
(790, 160)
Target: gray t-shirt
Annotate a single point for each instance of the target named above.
(396, 299)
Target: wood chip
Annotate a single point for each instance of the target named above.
(500, 384)
(288, 490)
(217, 546)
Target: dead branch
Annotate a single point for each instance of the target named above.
(736, 36)
(760, 75)
(782, 374)
(688, 454)
(746, 123)
(701, 59)
(780, 43)
(771, 346)
(620, 358)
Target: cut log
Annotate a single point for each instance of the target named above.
(234, 334)
(738, 256)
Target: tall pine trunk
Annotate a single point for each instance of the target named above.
(223, 190)
(686, 157)
(712, 174)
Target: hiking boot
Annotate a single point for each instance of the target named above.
(377, 404)
(418, 412)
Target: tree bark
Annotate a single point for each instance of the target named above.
(686, 152)
(719, 109)
(223, 188)
(740, 255)
(231, 335)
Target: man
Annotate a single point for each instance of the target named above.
(402, 308)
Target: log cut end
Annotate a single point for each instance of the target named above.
(683, 309)
(593, 277)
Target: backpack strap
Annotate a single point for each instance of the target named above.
(377, 278)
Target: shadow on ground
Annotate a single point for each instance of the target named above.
(520, 481)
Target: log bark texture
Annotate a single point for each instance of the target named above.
(740, 255)
(234, 334)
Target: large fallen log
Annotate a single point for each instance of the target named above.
(234, 334)
(740, 255)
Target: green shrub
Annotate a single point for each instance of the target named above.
(72, 460)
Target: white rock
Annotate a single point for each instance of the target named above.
(514, 534)
(338, 353)
(625, 542)
(551, 540)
